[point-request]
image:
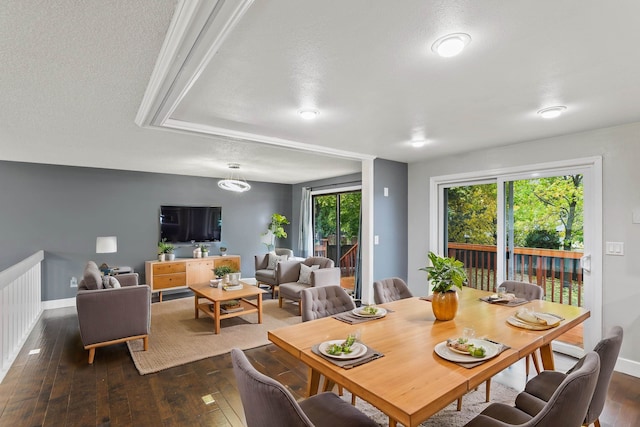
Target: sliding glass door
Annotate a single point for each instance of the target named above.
(336, 230)
(537, 226)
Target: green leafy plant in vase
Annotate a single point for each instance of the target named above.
(275, 230)
(165, 250)
(445, 273)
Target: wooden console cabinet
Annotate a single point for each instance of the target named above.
(183, 272)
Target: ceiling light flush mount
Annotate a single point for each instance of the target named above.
(234, 182)
(552, 112)
(451, 44)
(417, 143)
(308, 114)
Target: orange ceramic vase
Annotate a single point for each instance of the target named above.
(445, 305)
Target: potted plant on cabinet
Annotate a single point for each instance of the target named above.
(165, 251)
(205, 250)
(445, 273)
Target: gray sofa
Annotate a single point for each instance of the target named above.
(288, 276)
(109, 315)
(264, 274)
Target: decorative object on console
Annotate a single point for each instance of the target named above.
(106, 245)
(445, 273)
(165, 251)
(205, 250)
(223, 249)
(234, 182)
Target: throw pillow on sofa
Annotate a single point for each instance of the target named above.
(109, 282)
(274, 259)
(305, 273)
(92, 277)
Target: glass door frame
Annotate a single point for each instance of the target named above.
(591, 169)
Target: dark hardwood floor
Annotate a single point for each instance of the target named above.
(56, 387)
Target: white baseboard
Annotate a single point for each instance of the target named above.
(58, 303)
(629, 367)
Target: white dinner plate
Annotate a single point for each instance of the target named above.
(514, 321)
(357, 350)
(380, 313)
(449, 354)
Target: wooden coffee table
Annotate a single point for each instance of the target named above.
(217, 296)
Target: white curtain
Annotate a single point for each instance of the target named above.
(305, 240)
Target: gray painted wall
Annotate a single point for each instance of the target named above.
(620, 151)
(390, 214)
(390, 219)
(63, 209)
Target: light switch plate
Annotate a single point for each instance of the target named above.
(614, 248)
(386, 191)
(636, 216)
(376, 239)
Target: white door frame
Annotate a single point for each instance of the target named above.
(591, 168)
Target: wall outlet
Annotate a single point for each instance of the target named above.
(376, 240)
(74, 282)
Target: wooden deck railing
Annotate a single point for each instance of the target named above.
(557, 272)
(348, 261)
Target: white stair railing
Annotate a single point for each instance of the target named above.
(20, 306)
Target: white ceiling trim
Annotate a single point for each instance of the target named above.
(233, 134)
(197, 30)
(191, 43)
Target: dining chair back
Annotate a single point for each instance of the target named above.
(528, 291)
(324, 301)
(267, 403)
(544, 385)
(567, 406)
(392, 289)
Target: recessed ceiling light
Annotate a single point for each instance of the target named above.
(308, 114)
(552, 112)
(451, 44)
(418, 143)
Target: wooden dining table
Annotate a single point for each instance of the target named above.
(411, 382)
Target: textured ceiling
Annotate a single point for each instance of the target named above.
(75, 73)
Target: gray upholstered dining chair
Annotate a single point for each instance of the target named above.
(392, 289)
(324, 301)
(529, 292)
(267, 403)
(541, 388)
(566, 407)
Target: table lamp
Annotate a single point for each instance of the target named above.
(106, 245)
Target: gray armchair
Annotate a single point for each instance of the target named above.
(392, 289)
(289, 278)
(540, 389)
(267, 403)
(265, 275)
(112, 315)
(566, 407)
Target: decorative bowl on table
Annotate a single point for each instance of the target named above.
(214, 283)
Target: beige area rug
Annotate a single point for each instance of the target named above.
(177, 337)
(472, 404)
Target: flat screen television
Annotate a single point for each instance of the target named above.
(187, 223)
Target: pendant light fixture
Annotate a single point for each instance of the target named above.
(234, 182)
